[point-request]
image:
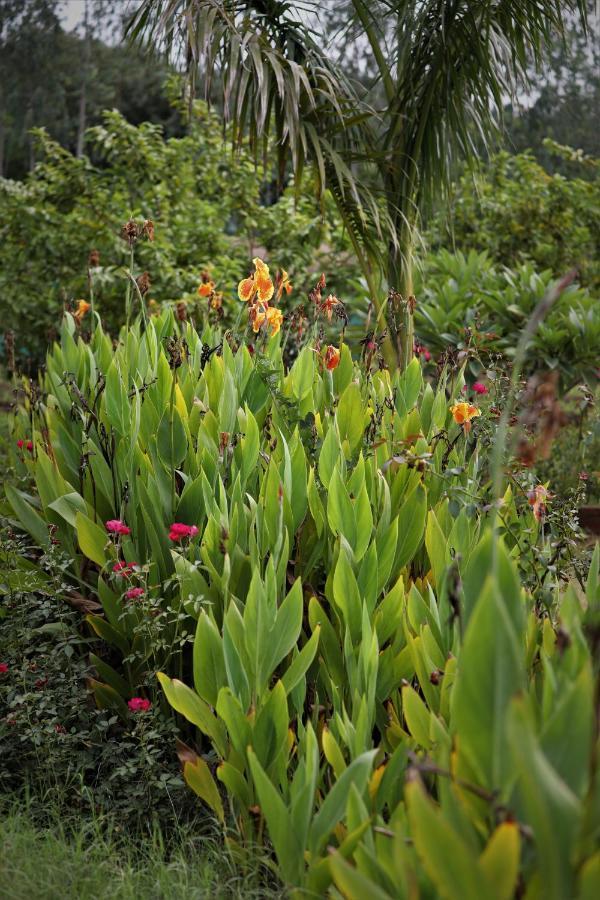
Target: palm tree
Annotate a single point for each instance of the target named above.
(442, 70)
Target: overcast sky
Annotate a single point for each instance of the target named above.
(73, 11)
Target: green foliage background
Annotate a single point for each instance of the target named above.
(209, 209)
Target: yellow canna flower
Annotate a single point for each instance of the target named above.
(246, 289)
(262, 280)
(206, 288)
(274, 319)
(463, 412)
(260, 283)
(257, 317)
(82, 308)
(283, 284)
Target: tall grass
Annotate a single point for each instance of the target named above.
(77, 859)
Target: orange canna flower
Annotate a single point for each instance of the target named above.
(257, 317)
(329, 305)
(260, 283)
(82, 308)
(262, 280)
(332, 358)
(206, 288)
(246, 289)
(283, 284)
(274, 319)
(537, 499)
(463, 412)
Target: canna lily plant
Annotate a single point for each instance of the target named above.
(311, 558)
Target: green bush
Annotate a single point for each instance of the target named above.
(391, 684)
(472, 306)
(519, 214)
(208, 204)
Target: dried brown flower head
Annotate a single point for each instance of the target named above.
(143, 283)
(130, 232)
(148, 229)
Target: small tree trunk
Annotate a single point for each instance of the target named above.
(402, 301)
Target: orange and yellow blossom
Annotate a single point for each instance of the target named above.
(463, 412)
(283, 284)
(259, 284)
(82, 307)
(274, 319)
(332, 358)
(206, 288)
(329, 305)
(257, 317)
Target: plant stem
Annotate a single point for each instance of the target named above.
(539, 313)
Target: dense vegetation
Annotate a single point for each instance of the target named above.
(295, 595)
(315, 549)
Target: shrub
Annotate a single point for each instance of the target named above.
(518, 214)
(390, 682)
(468, 304)
(60, 228)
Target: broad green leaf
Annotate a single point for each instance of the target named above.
(109, 633)
(490, 672)
(195, 710)
(500, 860)
(286, 629)
(545, 803)
(353, 883)
(107, 698)
(269, 735)
(92, 539)
(417, 716)
(290, 853)
(171, 439)
(31, 521)
(350, 417)
(447, 858)
(334, 804)
(301, 663)
(411, 526)
(209, 660)
(435, 543)
(116, 401)
(347, 596)
(303, 373)
(197, 776)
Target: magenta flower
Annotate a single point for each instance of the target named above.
(134, 593)
(115, 526)
(20, 444)
(138, 704)
(3, 668)
(178, 531)
(124, 569)
(480, 388)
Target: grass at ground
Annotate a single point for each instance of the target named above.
(80, 860)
